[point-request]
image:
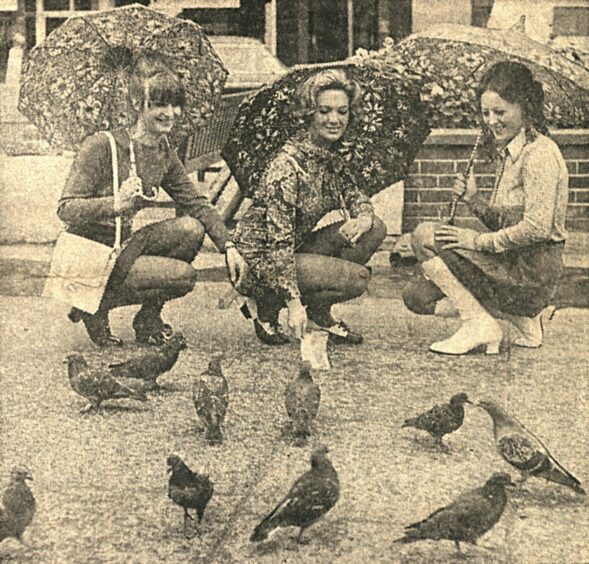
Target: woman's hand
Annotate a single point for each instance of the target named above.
(297, 318)
(129, 192)
(464, 188)
(236, 265)
(453, 237)
(353, 229)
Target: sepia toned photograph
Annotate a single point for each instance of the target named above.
(294, 281)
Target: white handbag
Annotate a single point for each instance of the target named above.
(80, 268)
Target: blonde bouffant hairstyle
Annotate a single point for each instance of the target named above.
(329, 79)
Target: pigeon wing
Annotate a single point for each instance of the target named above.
(521, 453)
(460, 520)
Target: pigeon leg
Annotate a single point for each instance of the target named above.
(441, 445)
(89, 407)
(300, 539)
(187, 519)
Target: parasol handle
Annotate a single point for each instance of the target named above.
(469, 165)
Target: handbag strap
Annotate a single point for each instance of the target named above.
(115, 186)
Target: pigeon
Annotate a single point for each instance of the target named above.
(210, 394)
(466, 519)
(99, 385)
(301, 399)
(526, 452)
(441, 419)
(310, 497)
(18, 505)
(188, 489)
(154, 362)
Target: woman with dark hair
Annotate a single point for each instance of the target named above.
(154, 265)
(290, 262)
(510, 270)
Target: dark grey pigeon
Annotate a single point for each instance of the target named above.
(310, 497)
(188, 489)
(99, 385)
(153, 362)
(441, 420)
(210, 394)
(18, 505)
(301, 399)
(466, 519)
(526, 452)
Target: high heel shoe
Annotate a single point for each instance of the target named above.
(530, 329)
(97, 327)
(472, 334)
(269, 333)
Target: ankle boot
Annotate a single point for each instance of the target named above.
(97, 326)
(530, 330)
(149, 326)
(478, 327)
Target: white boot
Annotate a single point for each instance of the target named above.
(531, 332)
(478, 327)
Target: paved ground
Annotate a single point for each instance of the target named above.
(100, 480)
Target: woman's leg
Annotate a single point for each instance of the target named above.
(153, 268)
(328, 242)
(325, 281)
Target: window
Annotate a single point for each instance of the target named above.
(571, 20)
(480, 12)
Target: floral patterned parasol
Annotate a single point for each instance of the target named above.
(451, 59)
(75, 82)
(379, 147)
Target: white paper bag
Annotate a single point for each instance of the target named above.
(314, 349)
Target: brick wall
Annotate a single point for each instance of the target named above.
(446, 152)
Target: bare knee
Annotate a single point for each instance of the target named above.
(423, 241)
(417, 301)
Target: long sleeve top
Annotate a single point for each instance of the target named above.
(87, 202)
(300, 185)
(530, 199)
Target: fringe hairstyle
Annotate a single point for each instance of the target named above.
(152, 83)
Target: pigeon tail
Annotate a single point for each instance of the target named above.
(262, 531)
(214, 435)
(410, 422)
(564, 479)
(410, 536)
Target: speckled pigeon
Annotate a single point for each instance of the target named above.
(310, 497)
(301, 399)
(441, 419)
(188, 489)
(210, 394)
(526, 452)
(18, 505)
(467, 518)
(99, 385)
(152, 363)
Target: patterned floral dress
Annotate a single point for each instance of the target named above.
(302, 183)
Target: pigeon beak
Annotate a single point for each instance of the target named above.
(28, 476)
